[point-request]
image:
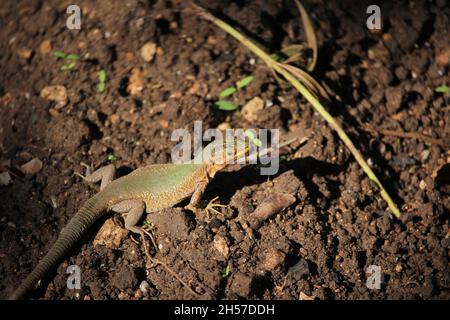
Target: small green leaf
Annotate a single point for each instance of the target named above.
(112, 157)
(101, 87)
(225, 105)
(244, 82)
(68, 66)
(250, 134)
(227, 92)
(72, 57)
(227, 271)
(442, 89)
(59, 54)
(102, 76)
(253, 138)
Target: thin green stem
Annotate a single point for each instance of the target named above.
(272, 64)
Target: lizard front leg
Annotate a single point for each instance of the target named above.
(104, 174)
(197, 196)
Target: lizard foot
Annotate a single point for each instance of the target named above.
(212, 205)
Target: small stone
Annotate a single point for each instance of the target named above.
(242, 285)
(422, 185)
(24, 53)
(53, 112)
(5, 179)
(136, 83)
(123, 296)
(110, 235)
(425, 155)
(398, 268)
(148, 51)
(55, 93)
(224, 126)
(114, 118)
(144, 287)
(31, 167)
(212, 40)
(251, 109)
(273, 258)
(443, 57)
(45, 47)
(220, 244)
(304, 296)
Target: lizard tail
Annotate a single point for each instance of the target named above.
(93, 209)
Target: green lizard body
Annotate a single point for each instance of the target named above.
(150, 188)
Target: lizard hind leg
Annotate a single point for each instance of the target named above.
(105, 175)
(133, 211)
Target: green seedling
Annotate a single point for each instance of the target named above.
(101, 81)
(443, 89)
(225, 105)
(226, 273)
(227, 92)
(71, 59)
(112, 157)
(253, 138)
(244, 82)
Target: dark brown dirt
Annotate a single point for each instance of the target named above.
(320, 246)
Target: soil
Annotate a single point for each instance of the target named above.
(323, 245)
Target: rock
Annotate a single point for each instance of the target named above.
(56, 93)
(221, 245)
(251, 109)
(144, 287)
(242, 285)
(5, 179)
(273, 258)
(31, 167)
(422, 185)
(114, 118)
(304, 296)
(393, 97)
(24, 53)
(110, 235)
(148, 51)
(136, 83)
(224, 126)
(443, 56)
(45, 47)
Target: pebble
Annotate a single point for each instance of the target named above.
(422, 185)
(5, 178)
(55, 93)
(110, 235)
(273, 258)
(31, 167)
(148, 51)
(45, 47)
(220, 244)
(251, 109)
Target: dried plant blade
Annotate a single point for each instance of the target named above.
(306, 79)
(310, 35)
(272, 64)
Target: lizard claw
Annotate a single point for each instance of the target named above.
(212, 205)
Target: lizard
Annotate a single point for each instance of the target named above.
(147, 189)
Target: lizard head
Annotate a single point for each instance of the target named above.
(224, 152)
